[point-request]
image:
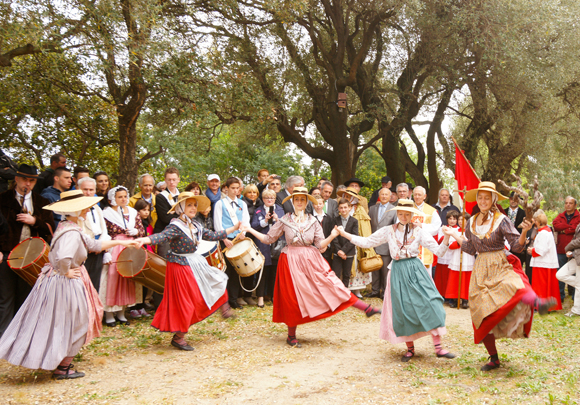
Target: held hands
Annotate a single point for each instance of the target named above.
(26, 219)
(136, 243)
(243, 227)
(340, 230)
(73, 273)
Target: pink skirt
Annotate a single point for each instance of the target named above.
(120, 290)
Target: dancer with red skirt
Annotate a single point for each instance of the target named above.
(306, 288)
(193, 289)
(501, 300)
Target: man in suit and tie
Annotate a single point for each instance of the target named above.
(343, 249)
(381, 217)
(291, 182)
(330, 207)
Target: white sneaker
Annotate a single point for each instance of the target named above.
(250, 301)
(135, 313)
(144, 313)
(571, 314)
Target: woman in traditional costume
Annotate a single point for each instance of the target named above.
(123, 223)
(193, 289)
(412, 306)
(501, 300)
(63, 312)
(306, 288)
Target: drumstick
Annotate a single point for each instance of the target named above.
(123, 261)
(15, 258)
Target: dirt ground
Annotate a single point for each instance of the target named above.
(341, 361)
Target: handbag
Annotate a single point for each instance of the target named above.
(370, 264)
(276, 248)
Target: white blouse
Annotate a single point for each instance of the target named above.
(415, 238)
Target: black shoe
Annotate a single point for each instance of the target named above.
(235, 305)
(408, 356)
(125, 322)
(545, 305)
(370, 311)
(67, 375)
(447, 355)
(184, 346)
(292, 341)
(374, 295)
(464, 304)
(492, 365)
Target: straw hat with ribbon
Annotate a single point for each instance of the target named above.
(202, 201)
(350, 191)
(409, 206)
(300, 191)
(72, 201)
(471, 195)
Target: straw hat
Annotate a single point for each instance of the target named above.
(471, 195)
(350, 191)
(300, 191)
(71, 201)
(202, 201)
(408, 205)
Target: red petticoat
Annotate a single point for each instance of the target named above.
(441, 279)
(286, 308)
(490, 321)
(182, 304)
(453, 284)
(545, 284)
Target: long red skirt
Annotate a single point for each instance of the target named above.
(545, 284)
(286, 307)
(182, 304)
(441, 279)
(490, 321)
(453, 284)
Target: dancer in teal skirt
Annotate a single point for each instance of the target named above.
(412, 306)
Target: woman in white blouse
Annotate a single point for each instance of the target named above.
(412, 306)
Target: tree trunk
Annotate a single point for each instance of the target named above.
(128, 167)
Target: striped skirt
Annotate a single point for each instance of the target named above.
(59, 316)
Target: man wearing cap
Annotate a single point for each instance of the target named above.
(357, 184)
(386, 183)
(46, 178)
(62, 182)
(430, 223)
(164, 202)
(444, 205)
(381, 217)
(213, 191)
(22, 209)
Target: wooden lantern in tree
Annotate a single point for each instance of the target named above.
(529, 206)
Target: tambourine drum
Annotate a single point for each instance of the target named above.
(245, 257)
(212, 253)
(143, 266)
(28, 258)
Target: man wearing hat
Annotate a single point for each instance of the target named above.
(282, 197)
(213, 191)
(386, 183)
(25, 217)
(357, 184)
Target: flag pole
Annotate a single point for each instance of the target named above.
(460, 252)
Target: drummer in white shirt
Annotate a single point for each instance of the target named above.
(228, 212)
(95, 227)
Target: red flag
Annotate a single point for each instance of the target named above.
(465, 176)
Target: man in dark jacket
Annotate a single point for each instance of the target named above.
(343, 249)
(444, 205)
(62, 183)
(46, 178)
(386, 182)
(564, 226)
(22, 209)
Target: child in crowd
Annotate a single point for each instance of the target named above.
(144, 210)
(544, 261)
(344, 250)
(466, 264)
(442, 270)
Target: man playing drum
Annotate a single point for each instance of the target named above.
(25, 217)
